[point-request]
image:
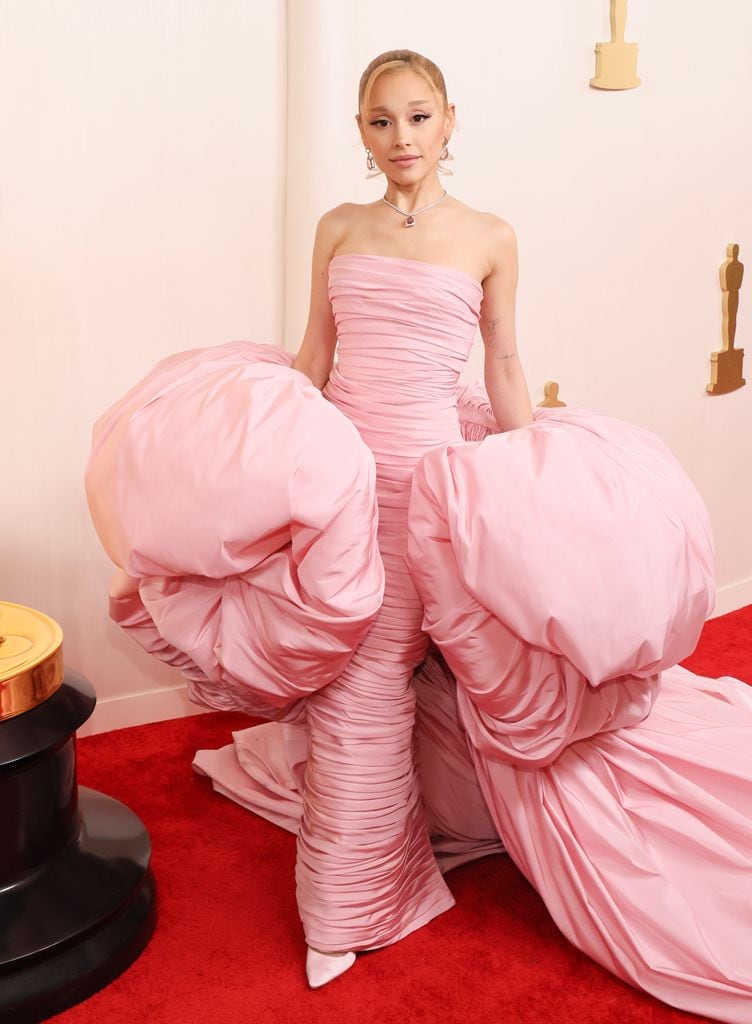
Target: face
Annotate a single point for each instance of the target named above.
(405, 125)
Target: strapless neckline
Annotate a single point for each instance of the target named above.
(424, 264)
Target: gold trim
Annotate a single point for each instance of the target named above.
(31, 658)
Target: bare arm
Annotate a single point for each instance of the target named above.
(504, 377)
(316, 354)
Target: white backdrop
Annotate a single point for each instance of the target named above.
(164, 166)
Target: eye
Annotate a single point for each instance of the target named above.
(380, 123)
(420, 118)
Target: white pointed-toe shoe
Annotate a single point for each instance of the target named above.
(321, 968)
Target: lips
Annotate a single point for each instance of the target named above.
(405, 160)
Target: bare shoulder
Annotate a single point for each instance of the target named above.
(481, 219)
(491, 235)
(331, 226)
(499, 243)
(339, 222)
(502, 246)
(499, 232)
(340, 214)
(496, 235)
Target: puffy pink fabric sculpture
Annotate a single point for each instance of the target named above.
(564, 568)
(561, 570)
(242, 506)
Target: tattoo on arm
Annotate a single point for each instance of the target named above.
(491, 326)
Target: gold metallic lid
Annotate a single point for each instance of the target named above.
(31, 658)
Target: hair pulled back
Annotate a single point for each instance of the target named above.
(393, 61)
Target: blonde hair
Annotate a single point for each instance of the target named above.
(400, 60)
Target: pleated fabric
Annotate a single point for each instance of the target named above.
(461, 826)
(263, 769)
(306, 546)
(366, 873)
(240, 507)
(257, 558)
(564, 568)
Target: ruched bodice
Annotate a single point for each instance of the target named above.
(404, 332)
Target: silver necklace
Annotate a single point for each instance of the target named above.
(410, 217)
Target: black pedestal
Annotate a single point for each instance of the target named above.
(76, 894)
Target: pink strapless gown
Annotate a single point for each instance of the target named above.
(365, 871)
(561, 569)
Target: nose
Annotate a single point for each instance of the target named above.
(402, 135)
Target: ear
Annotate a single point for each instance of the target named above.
(359, 122)
(449, 119)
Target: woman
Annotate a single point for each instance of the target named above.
(396, 381)
(561, 566)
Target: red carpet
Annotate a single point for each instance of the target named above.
(228, 946)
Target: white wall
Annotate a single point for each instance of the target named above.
(141, 204)
(143, 195)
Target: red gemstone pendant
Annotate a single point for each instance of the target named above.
(410, 221)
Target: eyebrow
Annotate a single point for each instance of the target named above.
(412, 103)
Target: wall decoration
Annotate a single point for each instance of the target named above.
(616, 62)
(551, 401)
(726, 366)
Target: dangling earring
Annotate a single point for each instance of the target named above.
(445, 155)
(373, 171)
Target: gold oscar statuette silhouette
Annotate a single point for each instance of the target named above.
(726, 366)
(551, 401)
(616, 62)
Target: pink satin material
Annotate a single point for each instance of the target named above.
(564, 568)
(244, 507)
(366, 873)
(561, 569)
